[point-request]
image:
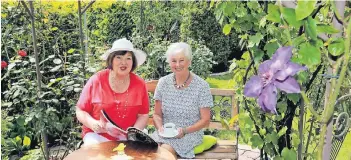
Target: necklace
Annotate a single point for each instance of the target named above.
(182, 85)
(114, 82)
(121, 108)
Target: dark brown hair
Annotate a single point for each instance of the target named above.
(112, 55)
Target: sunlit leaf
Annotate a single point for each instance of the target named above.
(55, 68)
(336, 47)
(304, 8)
(324, 28)
(282, 131)
(225, 123)
(26, 141)
(54, 29)
(273, 13)
(57, 61)
(71, 50)
(233, 120)
(226, 29)
(18, 140)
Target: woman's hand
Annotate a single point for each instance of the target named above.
(97, 127)
(181, 133)
(160, 130)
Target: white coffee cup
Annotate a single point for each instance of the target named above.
(169, 128)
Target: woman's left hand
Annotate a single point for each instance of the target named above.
(181, 133)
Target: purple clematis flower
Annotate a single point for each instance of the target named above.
(273, 74)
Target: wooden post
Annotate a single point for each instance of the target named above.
(34, 38)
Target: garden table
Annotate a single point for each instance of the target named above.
(103, 151)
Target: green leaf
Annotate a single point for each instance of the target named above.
(304, 8)
(225, 123)
(26, 141)
(255, 40)
(273, 13)
(288, 154)
(309, 54)
(282, 131)
(311, 28)
(262, 131)
(212, 3)
(57, 61)
(295, 139)
(256, 141)
(271, 47)
(227, 28)
(55, 68)
(54, 29)
(336, 47)
(290, 16)
(71, 50)
(267, 123)
(273, 137)
(18, 140)
(294, 97)
(282, 106)
(324, 28)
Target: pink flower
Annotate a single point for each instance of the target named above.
(273, 74)
(3, 64)
(22, 53)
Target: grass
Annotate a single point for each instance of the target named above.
(223, 81)
(226, 82)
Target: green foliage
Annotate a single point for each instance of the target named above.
(304, 9)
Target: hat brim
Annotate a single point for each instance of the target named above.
(139, 54)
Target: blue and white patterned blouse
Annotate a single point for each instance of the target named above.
(182, 107)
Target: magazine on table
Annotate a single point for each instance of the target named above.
(132, 133)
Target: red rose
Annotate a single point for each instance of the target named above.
(22, 53)
(3, 64)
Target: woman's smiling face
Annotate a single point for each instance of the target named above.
(123, 64)
(179, 63)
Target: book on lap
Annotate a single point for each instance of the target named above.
(132, 133)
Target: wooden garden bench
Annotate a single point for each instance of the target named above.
(224, 149)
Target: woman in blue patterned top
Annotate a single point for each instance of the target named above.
(184, 99)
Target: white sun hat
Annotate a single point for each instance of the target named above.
(125, 45)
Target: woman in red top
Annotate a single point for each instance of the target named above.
(118, 91)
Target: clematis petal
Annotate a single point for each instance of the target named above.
(265, 67)
(253, 87)
(268, 99)
(289, 70)
(281, 57)
(289, 85)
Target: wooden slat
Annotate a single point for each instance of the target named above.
(222, 149)
(151, 85)
(226, 142)
(209, 155)
(222, 92)
(212, 125)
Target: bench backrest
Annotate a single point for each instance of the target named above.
(151, 86)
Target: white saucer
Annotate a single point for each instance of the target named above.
(175, 133)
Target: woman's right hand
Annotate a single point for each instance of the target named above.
(160, 129)
(97, 127)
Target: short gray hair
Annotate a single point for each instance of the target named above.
(178, 47)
